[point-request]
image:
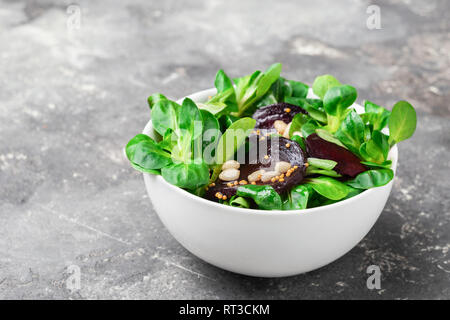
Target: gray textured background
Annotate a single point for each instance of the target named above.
(70, 100)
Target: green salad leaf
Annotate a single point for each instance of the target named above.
(268, 78)
(146, 155)
(186, 175)
(298, 197)
(225, 121)
(168, 141)
(371, 179)
(376, 149)
(335, 102)
(154, 98)
(329, 187)
(351, 193)
(239, 202)
(189, 119)
(300, 141)
(297, 122)
(309, 127)
(385, 165)
(322, 163)
(233, 138)
(251, 88)
(321, 167)
(282, 90)
(222, 82)
(164, 116)
(323, 83)
(264, 196)
(275, 94)
(402, 122)
(324, 172)
(295, 89)
(315, 110)
(211, 134)
(325, 135)
(224, 101)
(375, 115)
(351, 132)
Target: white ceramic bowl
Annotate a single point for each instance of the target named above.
(265, 243)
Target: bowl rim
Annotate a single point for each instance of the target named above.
(393, 155)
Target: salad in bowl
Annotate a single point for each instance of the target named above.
(268, 143)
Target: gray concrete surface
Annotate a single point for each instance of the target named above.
(71, 98)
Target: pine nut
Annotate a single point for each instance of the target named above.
(280, 126)
(229, 175)
(255, 176)
(282, 166)
(267, 176)
(231, 164)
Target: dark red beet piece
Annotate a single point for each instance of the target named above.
(266, 116)
(275, 152)
(347, 163)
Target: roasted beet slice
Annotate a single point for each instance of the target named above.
(266, 116)
(284, 150)
(347, 163)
